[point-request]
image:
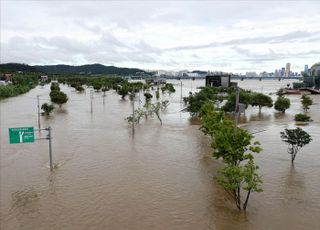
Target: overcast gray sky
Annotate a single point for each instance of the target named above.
(232, 36)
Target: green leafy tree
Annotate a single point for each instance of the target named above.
(158, 94)
(230, 144)
(205, 95)
(168, 87)
(148, 110)
(58, 97)
(105, 88)
(123, 91)
(233, 146)
(97, 86)
(282, 104)
(54, 86)
(79, 88)
(237, 178)
(302, 117)
(296, 139)
(148, 97)
(211, 120)
(260, 100)
(244, 98)
(306, 101)
(47, 109)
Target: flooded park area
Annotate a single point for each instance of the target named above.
(158, 177)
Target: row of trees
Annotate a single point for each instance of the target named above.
(218, 95)
(120, 85)
(124, 89)
(235, 146)
(245, 97)
(56, 96)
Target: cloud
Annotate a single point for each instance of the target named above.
(205, 35)
(271, 55)
(289, 37)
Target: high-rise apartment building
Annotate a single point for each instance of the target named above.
(282, 71)
(287, 74)
(306, 69)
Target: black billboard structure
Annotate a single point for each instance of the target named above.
(218, 80)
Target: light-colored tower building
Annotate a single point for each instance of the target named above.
(287, 70)
(306, 69)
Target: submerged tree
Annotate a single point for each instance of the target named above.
(47, 109)
(54, 86)
(235, 178)
(148, 110)
(302, 117)
(158, 94)
(79, 88)
(296, 139)
(281, 104)
(148, 97)
(235, 147)
(306, 101)
(261, 100)
(58, 97)
(123, 91)
(168, 87)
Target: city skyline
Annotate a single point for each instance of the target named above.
(225, 36)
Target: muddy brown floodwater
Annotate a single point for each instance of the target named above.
(158, 178)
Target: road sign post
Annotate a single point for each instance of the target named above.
(38, 104)
(50, 147)
(22, 135)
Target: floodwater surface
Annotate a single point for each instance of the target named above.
(158, 177)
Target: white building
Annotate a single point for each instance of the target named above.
(251, 74)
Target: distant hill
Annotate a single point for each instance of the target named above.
(199, 71)
(14, 67)
(68, 69)
(87, 69)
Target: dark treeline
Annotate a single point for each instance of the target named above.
(15, 67)
(219, 94)
(21, 83)
(97, 83)
(68, 69)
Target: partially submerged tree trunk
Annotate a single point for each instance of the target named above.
(158, 117)
(247, 199)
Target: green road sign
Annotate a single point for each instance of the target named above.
(21, 135)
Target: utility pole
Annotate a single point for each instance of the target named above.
(91, 98)
(192, 84)
(104, 95)
(38, 102)
(139, 98)
(236, 110)
(133, 114)
(50, 147)
(181, 91)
